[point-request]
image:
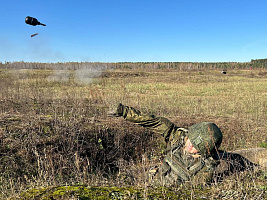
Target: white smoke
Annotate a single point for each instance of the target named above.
(84, 75)
(59, 76)
(87, 73)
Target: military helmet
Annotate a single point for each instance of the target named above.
(206, 137)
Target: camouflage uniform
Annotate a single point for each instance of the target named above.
(177, 166)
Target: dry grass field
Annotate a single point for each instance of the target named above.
(55, 132)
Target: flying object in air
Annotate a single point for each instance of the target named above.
(32, 21)
(34, 34)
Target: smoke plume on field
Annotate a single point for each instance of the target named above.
(83, 73)
(87, 73)
(59, 76)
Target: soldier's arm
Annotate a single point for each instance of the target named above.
(158, 125)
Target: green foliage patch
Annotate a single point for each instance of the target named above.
(263, 144)
(86, 193)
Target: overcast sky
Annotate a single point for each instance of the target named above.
(134, 30)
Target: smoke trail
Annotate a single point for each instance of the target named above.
(59, 76)
(84, 73)
(41, 51)
(87, 73)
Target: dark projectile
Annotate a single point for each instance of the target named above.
(32, 21)
(34, 34)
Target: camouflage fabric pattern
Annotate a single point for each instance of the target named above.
(159, 125)
(180, 168)
(206, 137)
(176, 167)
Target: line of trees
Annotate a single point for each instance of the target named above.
(259, 63)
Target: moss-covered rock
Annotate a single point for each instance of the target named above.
(85, 192)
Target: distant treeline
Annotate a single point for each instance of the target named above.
(258, 63)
